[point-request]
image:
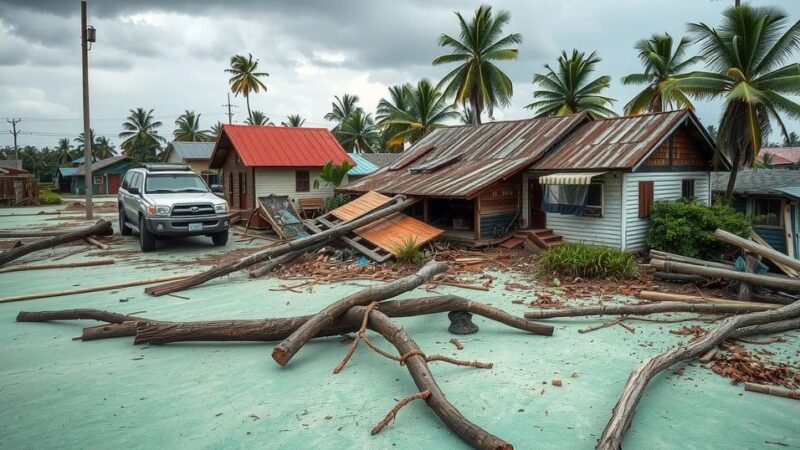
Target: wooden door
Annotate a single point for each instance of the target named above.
(538, 218)
(114, 180)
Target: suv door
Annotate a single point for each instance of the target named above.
(131, 201)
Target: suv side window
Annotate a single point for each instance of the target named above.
(140, 182)
(127, 180)
(134, 179)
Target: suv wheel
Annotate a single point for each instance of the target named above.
(220, 239)
(123, 228)
(146, 240)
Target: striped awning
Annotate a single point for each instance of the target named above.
(569, 178)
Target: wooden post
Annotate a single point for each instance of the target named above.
(102, 227)
(745, 288)
(787, 284)
(773, 255)
(87, 130)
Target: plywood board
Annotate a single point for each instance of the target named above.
(360, 206)
(391, 232)
(281, 215)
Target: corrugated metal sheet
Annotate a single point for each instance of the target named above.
(486, 153)
(363, 166)
(793, 191)
(616, 143)
(570, 178)
(67, 171)
(193, 150)
(269, 146)
(778, 182)
(781, 155)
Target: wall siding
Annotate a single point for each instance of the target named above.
(499, 207)
(281, 181)
(666, 186)
(595, 230)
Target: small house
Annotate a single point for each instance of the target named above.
(17, 187)
(368, 163)
(574, 177)
(64, 179)
(781, 157)
(197, 155)
(106, 176)
(770, 198)
(257, 161)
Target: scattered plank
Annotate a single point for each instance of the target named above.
(21, 267)
(97, 243)
(102, 227)
(771, 390)
(787, 284)
(763, 250)
(651, 308)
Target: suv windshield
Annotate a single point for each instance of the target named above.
(170, 183)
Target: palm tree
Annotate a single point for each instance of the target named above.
(103, 148)
(64, 152)
(216, 130)
(294, 120)
(258, 118)
(792, 140)
(358, 132)
(245, 79)
(342, 108)
(477, 79)
(467, 115)
(568, 90)
(766, 162)
(140, 134)
(660, 63)
(82, 142)
(426, 109)
(745, 55)
(188, 128)
(398, 101)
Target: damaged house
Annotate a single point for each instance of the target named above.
(570, 178)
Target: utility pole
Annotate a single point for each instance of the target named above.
(230, 114)
(87, 36)
(14, 131)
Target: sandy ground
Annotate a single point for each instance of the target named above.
(59, 393)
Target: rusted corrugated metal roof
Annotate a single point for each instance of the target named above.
(615, 143)
(269, 146)
(482, 155)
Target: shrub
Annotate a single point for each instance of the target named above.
(331, 203)
(49, 198)
(409, 253)
(587, 261)
(687, 227)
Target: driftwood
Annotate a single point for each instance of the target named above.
(654, 296)
(101, 228)
(652, 308)
(399, 204)
(75, 314)
(624, 410)
(665, 256)
(418, 368)
(773, 255)
(776, 282)
(393, 413)
(769, 390)
(283, 352)
(20, 268)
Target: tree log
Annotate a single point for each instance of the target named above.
(284, 351)
(108, 331)
(272, 264)
(652, 308)
(747, 244)
(423, 378)
(624, 410)
(399, 204)
(23, 267)
(665, 256)
(767, 328)
(782, 283)
(770, 390)
(101, 228)
(75, 314)
(654, 296)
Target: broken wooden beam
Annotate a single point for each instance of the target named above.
(652, 308)
(400, 203)
(283, 352)
(274, 263)
(786, 284)
(97, 243)
(101, 228)
(23, 267)
(773, 255)
(654, 296)
(772, 390)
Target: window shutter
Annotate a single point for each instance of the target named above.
(645, 198)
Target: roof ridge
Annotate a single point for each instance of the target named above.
(655, 113)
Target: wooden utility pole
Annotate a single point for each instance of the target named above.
(14, 131)
(230, 114)
(87, 133)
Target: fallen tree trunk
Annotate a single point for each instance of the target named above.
(418, 368)
(272, 264)
(20, 268)
(283, 352)
(101, 228)
(786, 284)
(772, 390)
(399, 204)
(773, 255)
(767, 328)
(641, 310)
(654, 296)
(665, 256)
(624, 410)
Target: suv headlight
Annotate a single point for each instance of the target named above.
(221, 208)
(158, 211)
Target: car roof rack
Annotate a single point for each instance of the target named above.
(165, 167)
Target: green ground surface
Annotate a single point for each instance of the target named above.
(59, 393)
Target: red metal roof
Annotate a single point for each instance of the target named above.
(270, 146)
(781, 155)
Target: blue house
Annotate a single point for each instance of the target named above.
(770, 197)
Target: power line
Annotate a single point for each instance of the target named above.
(14, 131)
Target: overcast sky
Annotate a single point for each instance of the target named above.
(170, 55)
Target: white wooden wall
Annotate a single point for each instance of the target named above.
(666, 186)
(281, 181)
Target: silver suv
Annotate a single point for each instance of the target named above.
(170, 200)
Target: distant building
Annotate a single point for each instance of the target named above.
(106, 176)
(782, 157)
(197, 155)
(367, 163)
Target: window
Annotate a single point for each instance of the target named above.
(136, 181)
(767, 212)
(126, 181)
(301, 181)
(97, 179)
(645, 198)
(594, 201)
(687, 189)
(173, 183)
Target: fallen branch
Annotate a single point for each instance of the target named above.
(274, 263)
(667, 297)
(651, 308)
(773, 255)
(764, 389)
(102, 227)
(283, 352)
(331, 234)
(787, 284)
(76, 314)
(624, 410)
(393, 413)
(20, 268)
(97, 243)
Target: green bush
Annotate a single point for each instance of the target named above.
(687, 227)
(586, 261)
(49, 198)
(409, 253)
(331, 203)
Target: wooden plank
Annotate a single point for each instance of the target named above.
(787, 229)
(391, 232)
(785, 269)
(360, 206)
(348, 241)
